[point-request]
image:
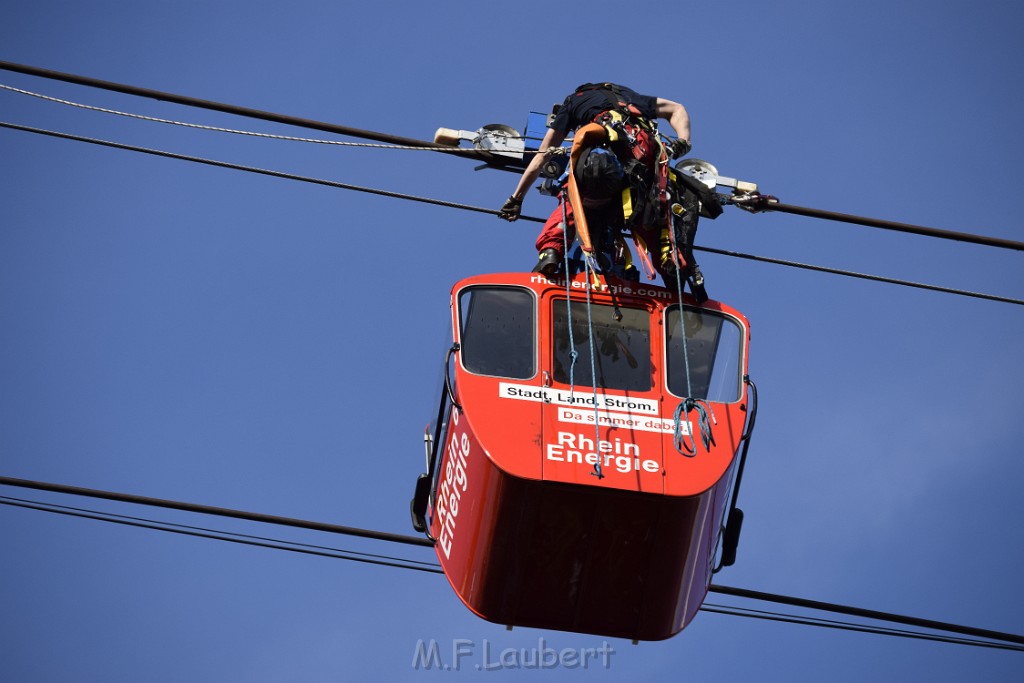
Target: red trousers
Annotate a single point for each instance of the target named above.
(551, 237)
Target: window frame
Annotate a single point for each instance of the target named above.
(741, 358)
(641, 306)
(460, 323)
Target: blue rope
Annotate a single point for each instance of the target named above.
(593, 376)
(685, 444)
(573, 354)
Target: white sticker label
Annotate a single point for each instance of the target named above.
(622, 420)
(607, 402)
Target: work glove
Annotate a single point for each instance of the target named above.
(511, 209)
(681, 148)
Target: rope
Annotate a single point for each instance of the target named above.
(494, 212)
(593, 376)
(254, 169)
(231, 537)
(113, 517)
(218, 129)
(573, 354)
(862, 276)
(685, 443)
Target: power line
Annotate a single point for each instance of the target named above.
(394, 562)
(478, 209)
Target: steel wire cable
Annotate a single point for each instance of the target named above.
(215, 511)
(402, 563)
(241, 539)
(479, 209)
(850, 626)
(250, 169)
(255, 113)
(114, 516)
(43, 73)
(754, 203)
(236, 131)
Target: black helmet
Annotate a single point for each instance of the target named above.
(599, 174)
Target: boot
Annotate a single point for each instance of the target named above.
(547, 262)
(667, 270)
(697, 284)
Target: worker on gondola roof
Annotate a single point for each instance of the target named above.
(632, 136)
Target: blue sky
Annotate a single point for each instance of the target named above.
(217, 337)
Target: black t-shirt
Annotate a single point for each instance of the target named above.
(583, 106)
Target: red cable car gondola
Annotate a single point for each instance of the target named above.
(557, 493)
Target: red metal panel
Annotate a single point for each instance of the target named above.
(528, 536)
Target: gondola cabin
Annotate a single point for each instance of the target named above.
(555, 492)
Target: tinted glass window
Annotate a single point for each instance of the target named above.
(622, 348)
(498, 331)
(714, 344)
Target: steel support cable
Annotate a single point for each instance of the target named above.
(256, 113)
(240, 539)
(229, 536)
(468, 207)
(868, 614)
(400, 563)
(235, 131)
(251, 169)
(216, 511)
(770, 204)
(192, 527)
(759, 203)
(863, 276)
(850, 626)
(755, 203)
(395, 538)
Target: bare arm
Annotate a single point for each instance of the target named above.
(676, 115)
(551, 139)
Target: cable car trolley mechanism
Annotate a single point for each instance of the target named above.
(583, 467)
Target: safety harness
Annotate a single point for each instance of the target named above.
(634, 138)
(647, 209)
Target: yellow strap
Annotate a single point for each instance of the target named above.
(627, 203)
(613, 134)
